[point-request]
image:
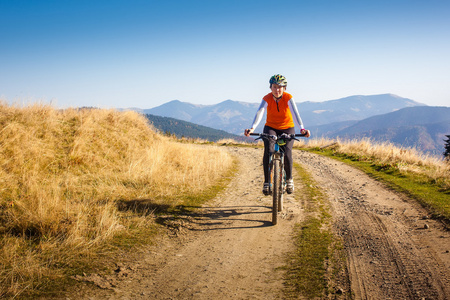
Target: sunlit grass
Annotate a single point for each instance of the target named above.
(63, 175)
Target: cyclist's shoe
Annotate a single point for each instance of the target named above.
(290, 186)
(266, 189)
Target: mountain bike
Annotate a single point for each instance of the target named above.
(277, 175)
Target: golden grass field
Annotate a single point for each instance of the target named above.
(62, 173)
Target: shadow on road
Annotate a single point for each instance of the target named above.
(197, 218)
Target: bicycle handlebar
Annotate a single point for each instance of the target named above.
(283, 135)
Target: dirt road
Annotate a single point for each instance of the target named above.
(229, 250)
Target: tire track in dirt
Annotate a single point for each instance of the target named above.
(394, 251)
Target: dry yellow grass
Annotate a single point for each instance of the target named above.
(61, 173)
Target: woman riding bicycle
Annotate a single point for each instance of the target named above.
(282, 113)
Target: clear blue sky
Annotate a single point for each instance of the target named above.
(145, 53)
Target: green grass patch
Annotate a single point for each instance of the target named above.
(318, 255)
(427, 192)
(307, 274)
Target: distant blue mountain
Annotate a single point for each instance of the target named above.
(352, 108)
(421, 127)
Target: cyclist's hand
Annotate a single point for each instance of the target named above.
(305, 132)
(248, 131)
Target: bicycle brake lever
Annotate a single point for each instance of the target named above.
(292, 137)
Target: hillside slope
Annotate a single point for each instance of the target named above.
(189, 130)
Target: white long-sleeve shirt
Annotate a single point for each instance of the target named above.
(292, 107)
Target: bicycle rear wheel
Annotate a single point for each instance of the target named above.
(277, 189)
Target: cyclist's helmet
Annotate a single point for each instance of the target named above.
(278, 79)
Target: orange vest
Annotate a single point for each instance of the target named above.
(278, 114)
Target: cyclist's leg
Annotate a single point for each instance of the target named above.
(288, 162)
(268, 149)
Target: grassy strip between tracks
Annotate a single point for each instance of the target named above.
(428, 192)
(318, 258)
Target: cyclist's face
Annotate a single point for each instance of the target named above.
(277, 90)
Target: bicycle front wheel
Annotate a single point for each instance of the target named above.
(283, 188)
(277, 190)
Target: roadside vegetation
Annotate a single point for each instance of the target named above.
(424, 178)
(75, 180)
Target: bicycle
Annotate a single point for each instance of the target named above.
(277, 175)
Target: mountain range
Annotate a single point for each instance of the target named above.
(234, 116)
(384, 117)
